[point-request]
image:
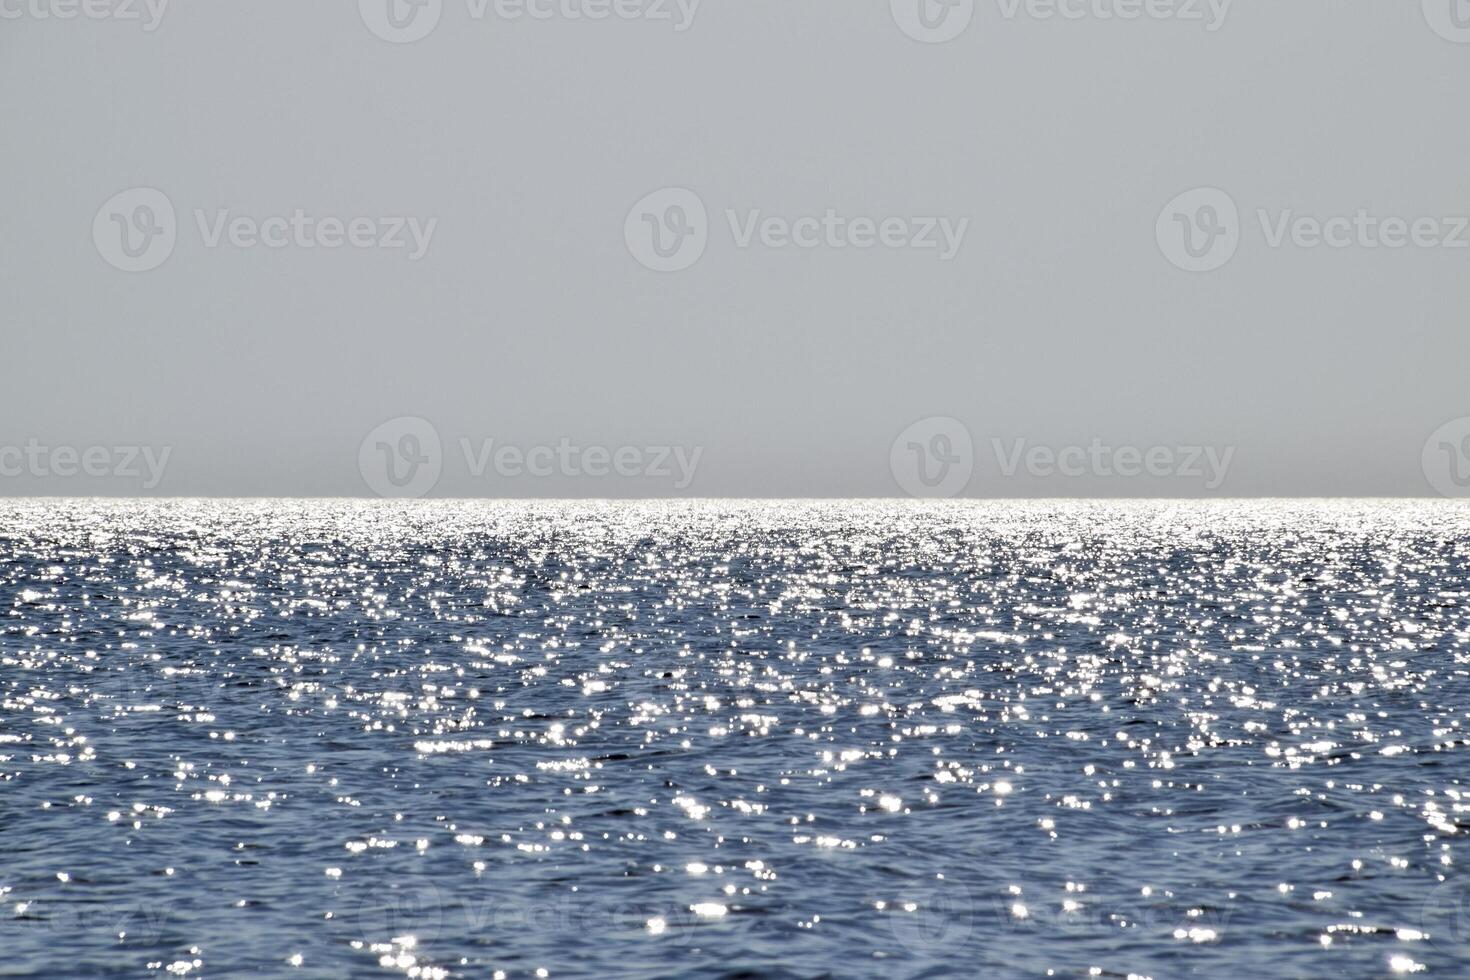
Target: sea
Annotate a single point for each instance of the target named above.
(734, 739)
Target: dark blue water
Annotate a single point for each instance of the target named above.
(790, 740)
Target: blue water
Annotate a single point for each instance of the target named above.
(727, 739)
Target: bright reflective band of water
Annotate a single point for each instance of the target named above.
(734, 739)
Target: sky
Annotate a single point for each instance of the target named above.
(629, 248)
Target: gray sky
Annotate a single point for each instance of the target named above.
(525, 150)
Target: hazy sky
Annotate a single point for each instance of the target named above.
(555, 232)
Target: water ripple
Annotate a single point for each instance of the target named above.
(734, 739)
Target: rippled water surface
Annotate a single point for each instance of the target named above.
(729, 739)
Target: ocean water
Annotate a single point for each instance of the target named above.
(734, 739)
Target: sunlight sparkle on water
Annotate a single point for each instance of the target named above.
(486, 739)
